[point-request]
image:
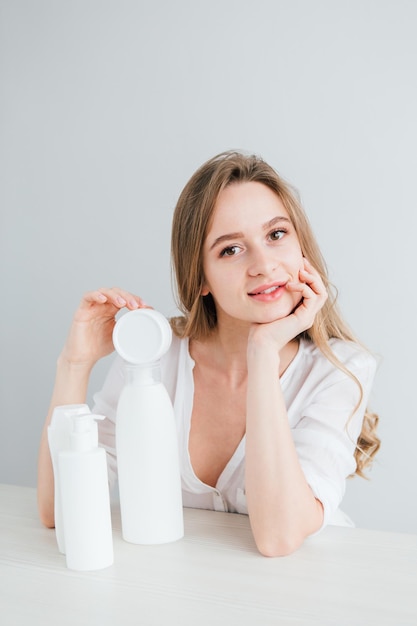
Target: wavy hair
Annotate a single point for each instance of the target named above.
(191, 221)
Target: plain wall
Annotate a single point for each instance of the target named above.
(107, 108)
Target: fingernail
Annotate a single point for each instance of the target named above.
(120, 301)
(133, 304)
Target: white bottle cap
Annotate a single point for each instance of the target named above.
(142, 336)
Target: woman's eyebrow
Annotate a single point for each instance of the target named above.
(237, 235)
(225, 238)
(275, 220)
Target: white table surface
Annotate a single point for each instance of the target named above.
(214, 575)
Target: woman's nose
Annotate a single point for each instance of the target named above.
(262, 261)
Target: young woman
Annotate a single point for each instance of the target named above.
(269, 386)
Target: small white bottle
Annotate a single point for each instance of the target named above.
(146, 437)
(85, 498)
(59, 433)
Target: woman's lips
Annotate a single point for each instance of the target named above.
(266, 293)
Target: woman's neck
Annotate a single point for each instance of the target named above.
(226, 350)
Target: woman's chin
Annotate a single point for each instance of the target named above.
(273, 314)
(269, 319)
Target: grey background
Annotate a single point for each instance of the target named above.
(106, 110)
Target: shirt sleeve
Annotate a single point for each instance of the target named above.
(326, 435)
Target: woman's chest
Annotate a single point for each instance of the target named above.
(218, 423)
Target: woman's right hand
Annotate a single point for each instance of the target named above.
(90, 335)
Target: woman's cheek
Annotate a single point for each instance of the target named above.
(298, 264)
(297, 297)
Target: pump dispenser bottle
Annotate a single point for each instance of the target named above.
(146, 437)
(59, 433)
(85, 498)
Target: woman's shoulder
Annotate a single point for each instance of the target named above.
(350, 353)
(179, 347)
(178, 351)
(176, 365)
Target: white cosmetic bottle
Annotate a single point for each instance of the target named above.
(85, 498)
(146, 437)
(59, 433)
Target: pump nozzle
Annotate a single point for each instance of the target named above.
(84, 434)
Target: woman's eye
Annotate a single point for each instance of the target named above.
(230, 251)
(276, 235)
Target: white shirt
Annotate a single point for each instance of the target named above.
(319, 398)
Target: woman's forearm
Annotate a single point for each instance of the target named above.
(71, 383)
(89, 339)
(282, 508)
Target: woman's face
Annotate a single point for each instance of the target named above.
(250, 253)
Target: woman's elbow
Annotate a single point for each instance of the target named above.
(46, 514)
(279, 547)
(47, 520)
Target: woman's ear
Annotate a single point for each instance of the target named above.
(204, 288)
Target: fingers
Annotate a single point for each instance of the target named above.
(313, 293)
(120, 298)
(115, 296)
(310, 278)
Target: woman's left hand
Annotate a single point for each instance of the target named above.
(313, 296)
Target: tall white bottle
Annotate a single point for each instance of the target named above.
(85, 498)
(146, 437)
(59, 433)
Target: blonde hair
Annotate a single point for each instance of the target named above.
(191, 221)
